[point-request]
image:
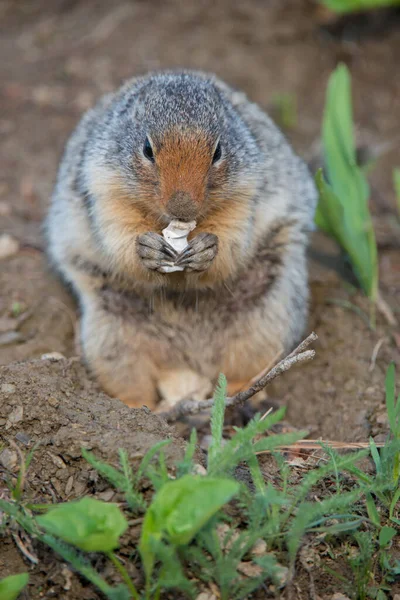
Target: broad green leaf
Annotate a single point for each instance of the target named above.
(343, 211)
(88, 524)
(386, 534)
(12, 586)
(180, 509)
(329, 215)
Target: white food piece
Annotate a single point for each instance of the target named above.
(176, 235)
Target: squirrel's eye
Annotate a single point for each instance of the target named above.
(148, 150)
(217, 153)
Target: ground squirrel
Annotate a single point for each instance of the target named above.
(181, 145)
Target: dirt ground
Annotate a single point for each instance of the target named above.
(57, 58)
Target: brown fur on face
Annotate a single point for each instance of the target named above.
(121, 217)
(183, 161)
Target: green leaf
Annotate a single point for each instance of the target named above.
(148, 457)
(119, 593)
(340, 527)
(343, 211)
(329, 214)
(308, 512)
(12, 586)
(239, 448)
(372, 510)
(386, 534)
(180, 509)
(112, 475)
(349, 6)
(390, 400)
(88, 524)
(394, 501)
(217, 420)
(375, 456)
(185, 466)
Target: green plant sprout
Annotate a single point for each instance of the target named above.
(12, 586)
(286, 107)
(349, 6)
(343, 211)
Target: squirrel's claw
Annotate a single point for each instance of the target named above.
(200, 253)
(154, 251)
(156, 242)
(197, 245)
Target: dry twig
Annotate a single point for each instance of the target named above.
(191, 407)
(308, 445)
(29, 555)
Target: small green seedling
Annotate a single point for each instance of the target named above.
(12, 586)
(88, 524)
(343, 211)
(286, 107)
(180, 509)
(17, 308)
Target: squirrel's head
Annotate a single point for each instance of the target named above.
(179, 157)
(173, 147)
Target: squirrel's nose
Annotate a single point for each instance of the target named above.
(182, 206)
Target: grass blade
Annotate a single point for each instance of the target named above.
(217, 420)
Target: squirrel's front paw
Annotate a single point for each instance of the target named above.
(200, 253)
(154, 252)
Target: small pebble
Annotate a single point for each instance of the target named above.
(53, 401)
(68, 487)
(206, 596)
(198, 469)
(8, 388)
(259, 548)
(53, 356)
(106, 495)
(57, 460)
(8, 246)
(23, 438)
(249, 569)
(16, 415)
(9, 459)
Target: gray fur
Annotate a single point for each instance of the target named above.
(135, 329)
